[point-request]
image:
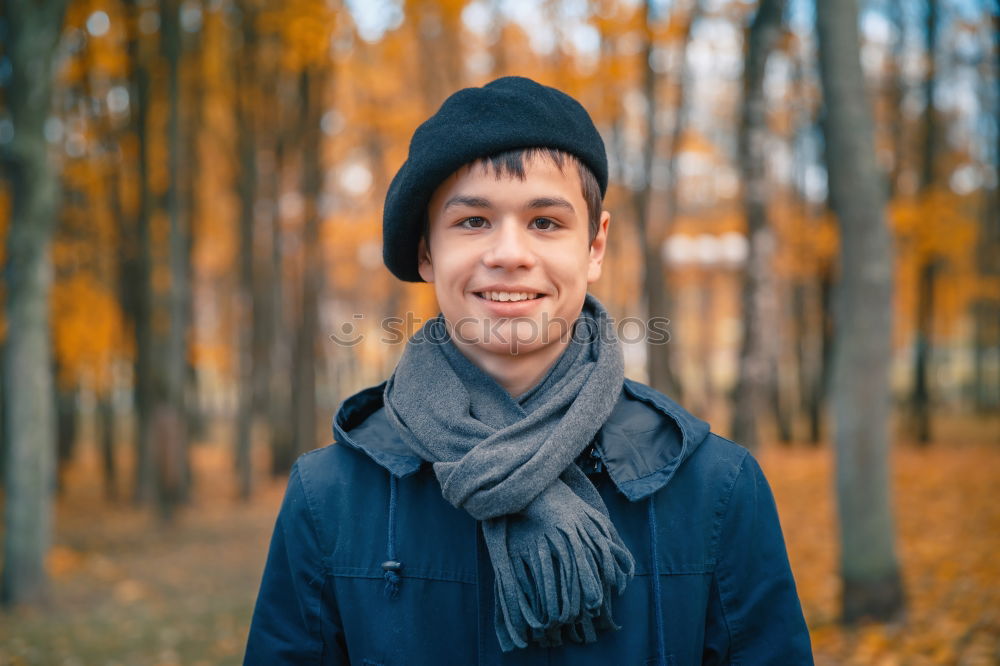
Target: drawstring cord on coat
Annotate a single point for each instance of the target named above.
(391, 566)
(661, 650)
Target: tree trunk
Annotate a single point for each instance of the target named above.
(665, 300)
(782, 416)
(658, 298)
(707, 325)
(194, 413)
(814, 328)
(3, 421)
(280, 414)
(66, 426)
(995, 199)
(922, 353)
(106, 432)
(986, 311)
(137, 264)
(755, 366)
(921, 396)
(930, 143)
(986, 337)
(498, 51)
(32, 31)
(304, 355)
(821, 388)
(170, 415)
(115, 275)
(248, 331)
(115, 250)
(861, 399)
(437, 37)
(804, 343)
(897, 92)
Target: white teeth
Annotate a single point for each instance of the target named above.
(504, 296)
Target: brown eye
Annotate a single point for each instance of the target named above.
(544, 223)
(473, 223)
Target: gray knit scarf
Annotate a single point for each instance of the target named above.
(510, 463)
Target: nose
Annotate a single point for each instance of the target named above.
(510, 248)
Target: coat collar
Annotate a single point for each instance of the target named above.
(642, 443)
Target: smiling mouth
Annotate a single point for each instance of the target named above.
(507, 296)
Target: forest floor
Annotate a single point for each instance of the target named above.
(129, 590)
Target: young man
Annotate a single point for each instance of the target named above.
(507, 496)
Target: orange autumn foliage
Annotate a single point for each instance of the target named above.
(88, 332)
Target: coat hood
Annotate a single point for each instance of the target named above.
(642, 444)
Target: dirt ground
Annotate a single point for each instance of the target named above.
(127, 590)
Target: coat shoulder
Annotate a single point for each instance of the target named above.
(716, 466)
(332, 475)
(718, 451)
(331, 465)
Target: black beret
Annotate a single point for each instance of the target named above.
(506, 114)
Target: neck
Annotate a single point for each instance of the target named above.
(515, 372)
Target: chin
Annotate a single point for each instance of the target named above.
(528, 336)
(498, 336)
(515, 349)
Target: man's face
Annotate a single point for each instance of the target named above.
(510, 260)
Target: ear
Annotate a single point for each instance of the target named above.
(424, 265)
(597, 248)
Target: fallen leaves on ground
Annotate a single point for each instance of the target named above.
(947, 516)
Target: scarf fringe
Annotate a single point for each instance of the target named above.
(561, 590)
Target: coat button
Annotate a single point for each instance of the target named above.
(391, 565)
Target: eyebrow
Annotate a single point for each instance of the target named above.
(483, 202)
(471, 202)
(550, 202)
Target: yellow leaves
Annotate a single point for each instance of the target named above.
(88, 332)
(693, 141)
(450, 10)
(934, 224)
(215, 57)
(937, 227)
(103, 54)
(370, 100)
(213, 358)
(807, 242)
(871, 643)
(308, 38)
(306, 29)
(353, 246)
(73, 71)
(108, 60)
(156, 141)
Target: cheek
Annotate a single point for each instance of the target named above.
(573, 265)
(452, 265)
(452, 272)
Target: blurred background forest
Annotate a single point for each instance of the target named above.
(191, 212)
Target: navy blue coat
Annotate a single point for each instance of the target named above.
(712, 582)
